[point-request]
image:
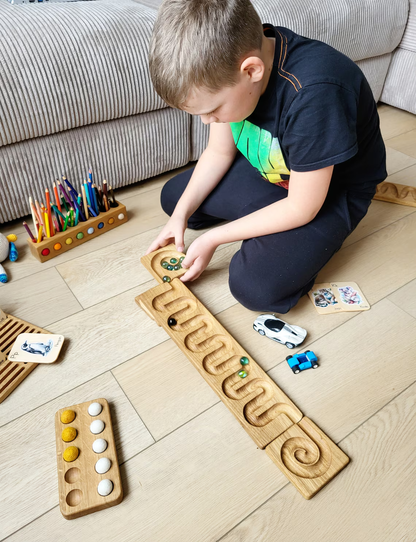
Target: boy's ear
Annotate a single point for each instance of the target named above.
(253, 67)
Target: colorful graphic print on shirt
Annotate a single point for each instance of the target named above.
(262, 150)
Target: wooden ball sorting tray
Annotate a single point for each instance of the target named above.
(78, 479)
(77, 235)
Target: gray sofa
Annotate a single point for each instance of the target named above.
(75, 90)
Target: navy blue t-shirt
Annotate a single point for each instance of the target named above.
(318, 110)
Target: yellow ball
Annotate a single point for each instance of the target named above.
(67, 416)
(12, 238)
(69, 434)
(71, 453)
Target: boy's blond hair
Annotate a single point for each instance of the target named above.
(200, 44)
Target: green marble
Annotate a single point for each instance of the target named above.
(164, 265)
(173, 260)
(166, 279)
(244, 361)
(242, 374)
(170, 268)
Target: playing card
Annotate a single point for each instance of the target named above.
(333, 297)
(36, 347)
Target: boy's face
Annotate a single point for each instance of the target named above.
(230, 104)
(236, 103)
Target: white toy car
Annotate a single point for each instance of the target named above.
(277, 330)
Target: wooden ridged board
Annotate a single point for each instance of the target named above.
(12, 373)
(396, 193)
(296, 445)
(78, 480)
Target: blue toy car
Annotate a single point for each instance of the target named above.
(300, 362)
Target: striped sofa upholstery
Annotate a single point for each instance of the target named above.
(400, 86)
(75, 90)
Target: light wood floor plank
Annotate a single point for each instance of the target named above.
(405, 176)
(371, 500)
(40, 299)
(380, 214)
(394, 122)
(380, 263)
(405, 143)
(405, 298)
(28, 453)
(397, 161)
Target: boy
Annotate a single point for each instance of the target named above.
(294, 153)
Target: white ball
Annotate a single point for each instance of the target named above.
(99, 445)
(103, 465)
(94, 409)
(97, 426)
(105, 487)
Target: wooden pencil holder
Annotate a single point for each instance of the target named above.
(77, 235)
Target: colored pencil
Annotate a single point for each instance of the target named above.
(48, 205)
(65, 204)
(35, 217)
(84, 200)
(29, 232)
(114, 203)
(46, 221)
(62, 189)
(92, 211)
(90, 175)
(40, 234)
(94, 195)
(105, 188)
(87, 192)
(90, 191)
(39, 212)
(57, 199)
(66, 223)
(71, 188)
(107, 207)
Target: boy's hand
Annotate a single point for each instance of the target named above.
(198, 256)
(173, 232)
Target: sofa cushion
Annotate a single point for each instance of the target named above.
(65, 65)
(358, 28)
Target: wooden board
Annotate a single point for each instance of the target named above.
(396, 193)
(12, 373)
(63, 241)
(78, 479)
(307, 457)
(261, 407)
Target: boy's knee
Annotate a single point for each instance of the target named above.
(256, 295)
(168, 198)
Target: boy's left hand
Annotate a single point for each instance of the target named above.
(198, 256)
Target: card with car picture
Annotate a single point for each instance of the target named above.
(330, 297)
(36, 348)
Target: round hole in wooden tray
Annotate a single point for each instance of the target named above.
(72, 475)
(74, 497)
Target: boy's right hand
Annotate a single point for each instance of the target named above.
(173, 232)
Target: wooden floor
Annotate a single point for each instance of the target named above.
(190, 472)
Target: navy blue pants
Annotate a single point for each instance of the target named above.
(270, 273)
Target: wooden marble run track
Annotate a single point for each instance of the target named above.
(396, 193)
(295, 444)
